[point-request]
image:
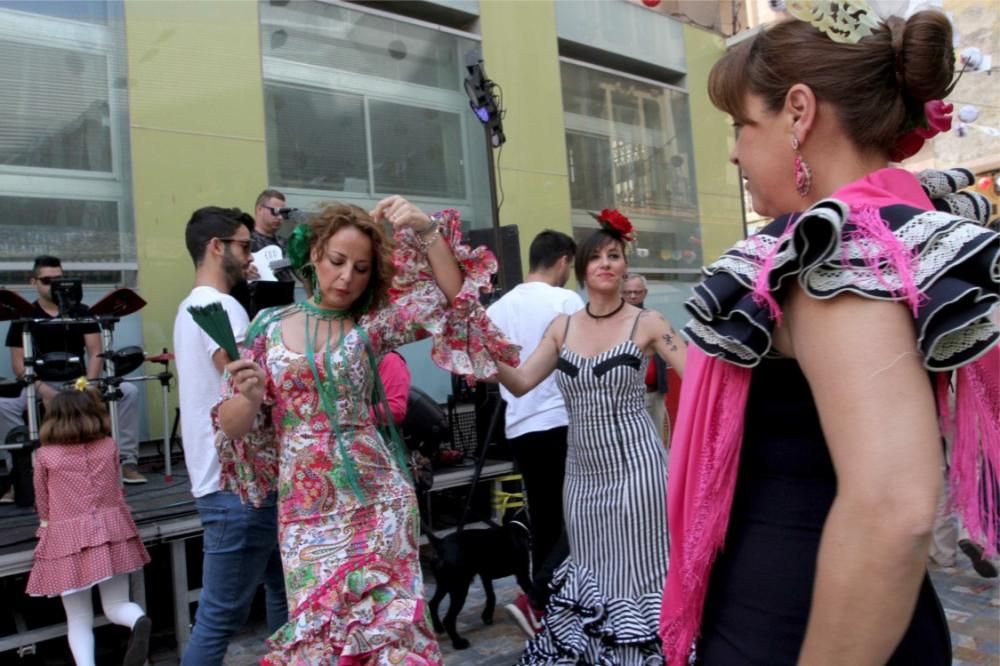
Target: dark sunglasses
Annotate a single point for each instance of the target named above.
(277, 212)
(47, 279)
(245, 243)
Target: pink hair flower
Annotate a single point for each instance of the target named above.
(938, 114)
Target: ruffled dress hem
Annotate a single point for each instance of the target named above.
(380, 627)
(583, 626)
(85, 568)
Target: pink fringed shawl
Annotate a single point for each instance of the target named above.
(704, 458)
(975, 448)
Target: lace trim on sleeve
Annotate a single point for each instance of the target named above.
(945, 267)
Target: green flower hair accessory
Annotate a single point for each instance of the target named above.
(298, 247)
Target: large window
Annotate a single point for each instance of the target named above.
(64, 169)
(628, 146)
(360, 105)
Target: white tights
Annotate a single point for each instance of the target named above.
(80, 615)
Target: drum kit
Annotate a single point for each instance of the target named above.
(63, 368)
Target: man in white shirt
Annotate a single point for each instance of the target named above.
(240, 542)
(536, 423)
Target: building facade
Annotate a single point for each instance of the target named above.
(123, 116)
(974, 145)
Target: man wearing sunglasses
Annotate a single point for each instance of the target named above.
(80, 339)
(240, 541)
(267, 220)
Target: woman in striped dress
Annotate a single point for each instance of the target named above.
(605, 604)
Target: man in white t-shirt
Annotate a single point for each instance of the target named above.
(536, 423)
(240, 542)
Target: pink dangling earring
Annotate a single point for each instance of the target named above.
(803, 174)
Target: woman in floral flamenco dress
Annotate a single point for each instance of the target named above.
(297, 415)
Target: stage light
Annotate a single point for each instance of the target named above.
(482, 99)
(481, 112)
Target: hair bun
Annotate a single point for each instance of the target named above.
(926, 57)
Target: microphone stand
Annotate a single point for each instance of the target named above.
(481, 448)
(31, 391)
(112, 394)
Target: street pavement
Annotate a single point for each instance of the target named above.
(972, 605)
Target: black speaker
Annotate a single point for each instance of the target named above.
(505, 243)
(487, 400)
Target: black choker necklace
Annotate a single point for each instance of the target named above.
(604, 316)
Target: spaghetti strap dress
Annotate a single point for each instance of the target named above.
(605, 605)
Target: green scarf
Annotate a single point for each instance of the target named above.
(332, 389)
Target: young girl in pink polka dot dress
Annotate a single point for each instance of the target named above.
(87, 536)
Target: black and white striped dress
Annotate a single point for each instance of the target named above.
(605, 606)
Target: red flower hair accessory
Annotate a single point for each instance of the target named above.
(937, 116)
(611, 220)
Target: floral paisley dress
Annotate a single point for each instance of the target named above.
(351, 563)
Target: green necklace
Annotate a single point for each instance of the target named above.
(324, 314)
(330, 390)
(335, 386)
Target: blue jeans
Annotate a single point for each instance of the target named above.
(241, 551)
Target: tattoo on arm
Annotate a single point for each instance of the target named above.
(670, 340)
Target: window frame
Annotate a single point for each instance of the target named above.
(287, 73)
(595, 127)
(55, 184)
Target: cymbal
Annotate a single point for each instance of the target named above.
(118, 303)
(126, 359)
(13, 306)
(160, 358)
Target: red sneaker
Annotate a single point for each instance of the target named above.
(529, 619)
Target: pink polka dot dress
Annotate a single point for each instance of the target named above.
(90, 535)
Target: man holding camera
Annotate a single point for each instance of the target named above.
(267, 219)
(81, 339)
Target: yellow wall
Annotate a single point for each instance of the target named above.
(197, 134)
(718, 180)
(520, 52)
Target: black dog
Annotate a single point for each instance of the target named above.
(491, 553)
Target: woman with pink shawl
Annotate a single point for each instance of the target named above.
(805, 467)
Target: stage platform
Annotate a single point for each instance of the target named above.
(158, 507)
(165, 514)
